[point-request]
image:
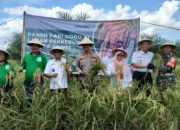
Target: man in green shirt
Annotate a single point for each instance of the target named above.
(34, 65)
(7, 72)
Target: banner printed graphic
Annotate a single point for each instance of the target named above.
(106, 35)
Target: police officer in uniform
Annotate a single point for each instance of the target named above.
(85, 60)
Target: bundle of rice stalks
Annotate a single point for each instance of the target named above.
(119, 70)
(37, 76)
(157, 61)
(97, 66)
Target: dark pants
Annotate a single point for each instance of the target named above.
(142, 79)
(63, 91)
(29, 86)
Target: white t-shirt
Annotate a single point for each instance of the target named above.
(54, 66)
(140, 57)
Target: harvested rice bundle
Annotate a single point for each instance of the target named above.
(97, 66)
(157, 61)
(37, 76)
(9, 77)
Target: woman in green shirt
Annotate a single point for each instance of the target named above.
(7, 72)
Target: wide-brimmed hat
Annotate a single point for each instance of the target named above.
(57, 48)
(6, 53)
(119, 49)
(143, 40)
(35, 41)
(86, 41)
(167, 44)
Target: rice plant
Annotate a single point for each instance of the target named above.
(104, 109)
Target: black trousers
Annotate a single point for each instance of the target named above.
(63, 91)
(143, 78)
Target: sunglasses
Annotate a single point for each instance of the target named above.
(57, 52)
(120, 55)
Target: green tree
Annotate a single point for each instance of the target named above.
(176, 53)
(15, 47)
(69, 16)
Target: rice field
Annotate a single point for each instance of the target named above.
(104, 109)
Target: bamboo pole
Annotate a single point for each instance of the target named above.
(23, 34)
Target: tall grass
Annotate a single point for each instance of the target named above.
(105, 108)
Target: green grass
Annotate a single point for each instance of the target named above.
(104, 109)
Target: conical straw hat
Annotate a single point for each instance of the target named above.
(144, 39)
(6, 53)
(167, 44)
(35, 41)
(119, 49)
(86, 41)
(57, 48)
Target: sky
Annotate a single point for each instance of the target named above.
(161, 12)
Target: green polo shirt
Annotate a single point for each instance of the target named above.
(31, 63)
(4, 70)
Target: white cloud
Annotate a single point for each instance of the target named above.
(164, 15)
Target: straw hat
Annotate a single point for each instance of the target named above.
(167, 44)
(57, 48)
(35, 41)
(144, 39)
(119, 49)
(86, 41)
(6, 53)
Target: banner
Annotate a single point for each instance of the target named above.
(106, 35)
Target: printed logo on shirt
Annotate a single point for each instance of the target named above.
(7, 67)
(39, 59)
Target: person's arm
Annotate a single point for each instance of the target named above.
(47, 71)
(44, 63)
(135, 62)
(78, 64)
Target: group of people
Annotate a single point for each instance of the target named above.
(118, 70)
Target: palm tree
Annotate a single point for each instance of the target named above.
(81, 16)
(64, 15)
(68, 16)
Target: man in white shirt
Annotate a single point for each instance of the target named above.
(141, 61)
(56, 71)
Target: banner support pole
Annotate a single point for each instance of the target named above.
(23, 33)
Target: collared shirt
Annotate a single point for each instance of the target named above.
(31, 63)
(4, 70)
(54, 66)
(107, 60)
(84, 63)
(140, 57)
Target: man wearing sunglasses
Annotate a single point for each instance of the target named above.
(57, 72)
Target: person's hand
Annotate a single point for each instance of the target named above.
(115, 74)
(11, 74)
(20, 70)
(93, 72)
(54, 75)
(82, 73)
(150, 66)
